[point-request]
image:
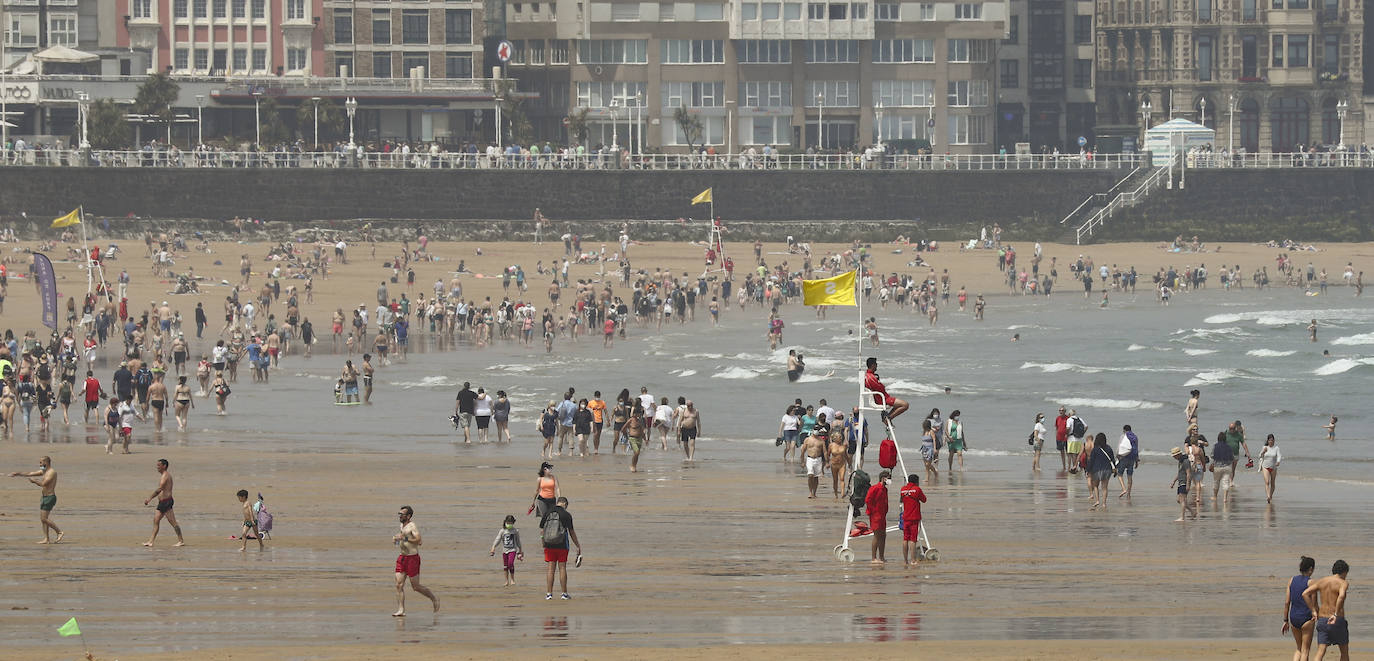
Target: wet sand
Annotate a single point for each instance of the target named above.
(689, 561)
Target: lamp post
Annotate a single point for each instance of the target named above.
(615, 125)
(1231, 126)
(878, 116)
(639, 122)
(499, 128)
(83, 107)
(1145, 109)
(316, 99)
(200, 118)
(257, 116)
(820, 122)
(1203, 103)
(351, 107)
(1341, 108)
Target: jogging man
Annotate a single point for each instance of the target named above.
(408, 562)
(557, 530)
(47, 481)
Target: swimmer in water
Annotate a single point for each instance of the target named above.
(1016, 337)
(1330, 429)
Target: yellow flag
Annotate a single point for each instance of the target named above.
(703, 197)
(73, 218)
(69, 629)
(838, 290)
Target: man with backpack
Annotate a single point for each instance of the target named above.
(557, 530)
(1077, 430)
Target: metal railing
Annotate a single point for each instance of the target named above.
(1124, 199)
(287, 83)
(1098, 197)
(558, 161)
(1262, 160)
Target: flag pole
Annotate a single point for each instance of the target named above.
(85, 250)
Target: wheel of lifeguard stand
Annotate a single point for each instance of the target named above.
(847, 555)
(837, 550)
(932, 555)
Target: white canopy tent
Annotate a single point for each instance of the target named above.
(60, 54)
(1174, 136)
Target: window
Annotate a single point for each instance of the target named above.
(791, 11)
(1204, 11)
(179, 8)
(749, 11)
(832, 51)
(710, 11)
(240, 61)
(899, 127)
(815, 11)
(558, 52)
(198, 8)
(1248, 10)
(968, 93)
(766, 51)
(838, 11)
(458, 65)
(968, 11)
(381, 26)
(901, 51)
(968, 50)
(517, 51)
(343, 65)
(1010, 73)
(1297, 4)
(238, 8)
(295, 10)
(625, 12)
(927, 11)
(142, 9)
(202, 56)
(259, 9)
(837, 93)
(887, 11)
(343, 26)
(693, 51)
(1277, 51)
(904, 93)
(1331, 54)
(23, 30)
(772, 11)
(694, 95)
(1204, 59)
(1083, 74)
(858, 11)
(967, 129)
(613, 51)
(765, 94)
(260, 59)
(414, 26)
(516, 6)
(411, 60)
(712, 132)
(536, 50)
(1297, 50)
(295, 59)
(181, 59)
(597, 94)
(1013, 29)
(458, 26)
(218, 9)
(1082, 29)
(765, 130)
(62, 29)
(381, 65)
(220, 61)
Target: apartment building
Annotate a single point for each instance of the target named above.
(384, 39)
(1268, 75)
(224, 37)
(1045, 75)
(789, 74)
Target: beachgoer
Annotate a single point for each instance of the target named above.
(1061, 437)
(911, 496)
(556, 551)
(1127, 459)
(500, 414)
(1101, 466)
(814, 450)
(1223, 470)
(1182, 481)
(1326, 599)
(954, 439)
(45, 478)
(508, 538)
(1270, 458)
(635, 432)
(165, 503)
(481, 410)
(250, 522)
(1077, 429)
(566, 410)
(546, 490)
(1296, 614)
(183, 401)
(839, 458)
(688, 427)
(408, 561)
(875, 503)
(1330, 428)
(872, 383)
(789, 432)
(1037, 439)
(466, 402)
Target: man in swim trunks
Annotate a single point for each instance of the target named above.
(688, 426)
(47, 481)
(872, 383)
(816, 452)
(1326, 599)
(408, 562)
(634, 432)
(163, 494)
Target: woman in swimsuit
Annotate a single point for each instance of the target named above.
(183, 401)
(839, 458)
(221, 389)
(1296, 615)
(203, 375)
(500, 414)
(1270, 457)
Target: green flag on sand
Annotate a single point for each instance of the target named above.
(69, 629)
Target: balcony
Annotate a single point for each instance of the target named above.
(143, 31)
(297, 32)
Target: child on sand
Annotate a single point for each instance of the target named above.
(509, 540)
(250, 522)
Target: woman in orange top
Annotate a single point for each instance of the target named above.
(546, 491)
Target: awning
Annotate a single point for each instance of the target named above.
(64, 55)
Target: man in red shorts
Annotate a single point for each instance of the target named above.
(408, 562)
(911, 498)
(895, 407)
(556, 529)
(876, 503)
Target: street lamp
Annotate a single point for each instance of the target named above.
(1145, 109)
(639, 119)
(1341, 108)
(820, 121)
(878, 115)
(499, 128)
(83, 107)
(1203, 103)
(316, 99)
(1231, 126)
(257, 116)
(351, 107)
(200, 118)
(615, 125)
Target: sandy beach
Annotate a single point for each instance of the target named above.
(720, 559)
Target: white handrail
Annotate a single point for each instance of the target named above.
(1124, 199)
